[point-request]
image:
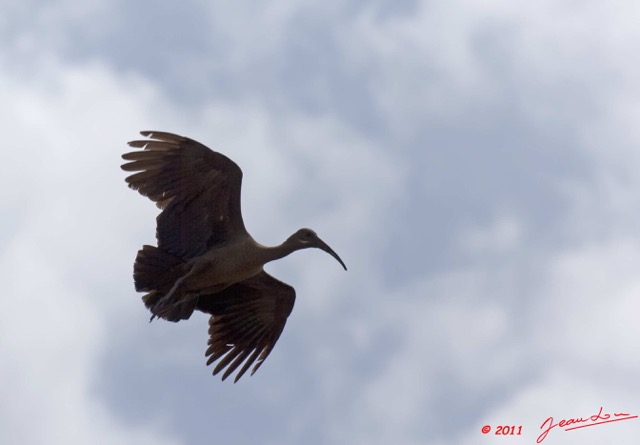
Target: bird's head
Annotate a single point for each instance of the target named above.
(305, 238)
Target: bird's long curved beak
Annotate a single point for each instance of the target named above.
(324, 246)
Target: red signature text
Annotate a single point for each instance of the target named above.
(579, 422)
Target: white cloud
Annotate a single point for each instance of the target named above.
(511, 335)
(61, 130)
(505, 234)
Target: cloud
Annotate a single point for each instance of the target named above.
(62, 238)
(453, 154)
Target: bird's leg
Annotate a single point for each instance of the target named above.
(180, 286)
(175, 287)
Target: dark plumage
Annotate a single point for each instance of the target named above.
(205, 259)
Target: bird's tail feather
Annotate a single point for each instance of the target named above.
(155, 272)
(153, 267)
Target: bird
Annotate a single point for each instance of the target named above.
(205, 259)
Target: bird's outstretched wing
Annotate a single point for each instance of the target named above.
(197, 189)
(247, 320)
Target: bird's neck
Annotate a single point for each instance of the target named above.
(277, 252)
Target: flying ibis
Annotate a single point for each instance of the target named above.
(205, 259)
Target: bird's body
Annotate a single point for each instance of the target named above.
(205, 259)
(219, 268)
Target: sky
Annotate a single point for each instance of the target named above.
(475, 164)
